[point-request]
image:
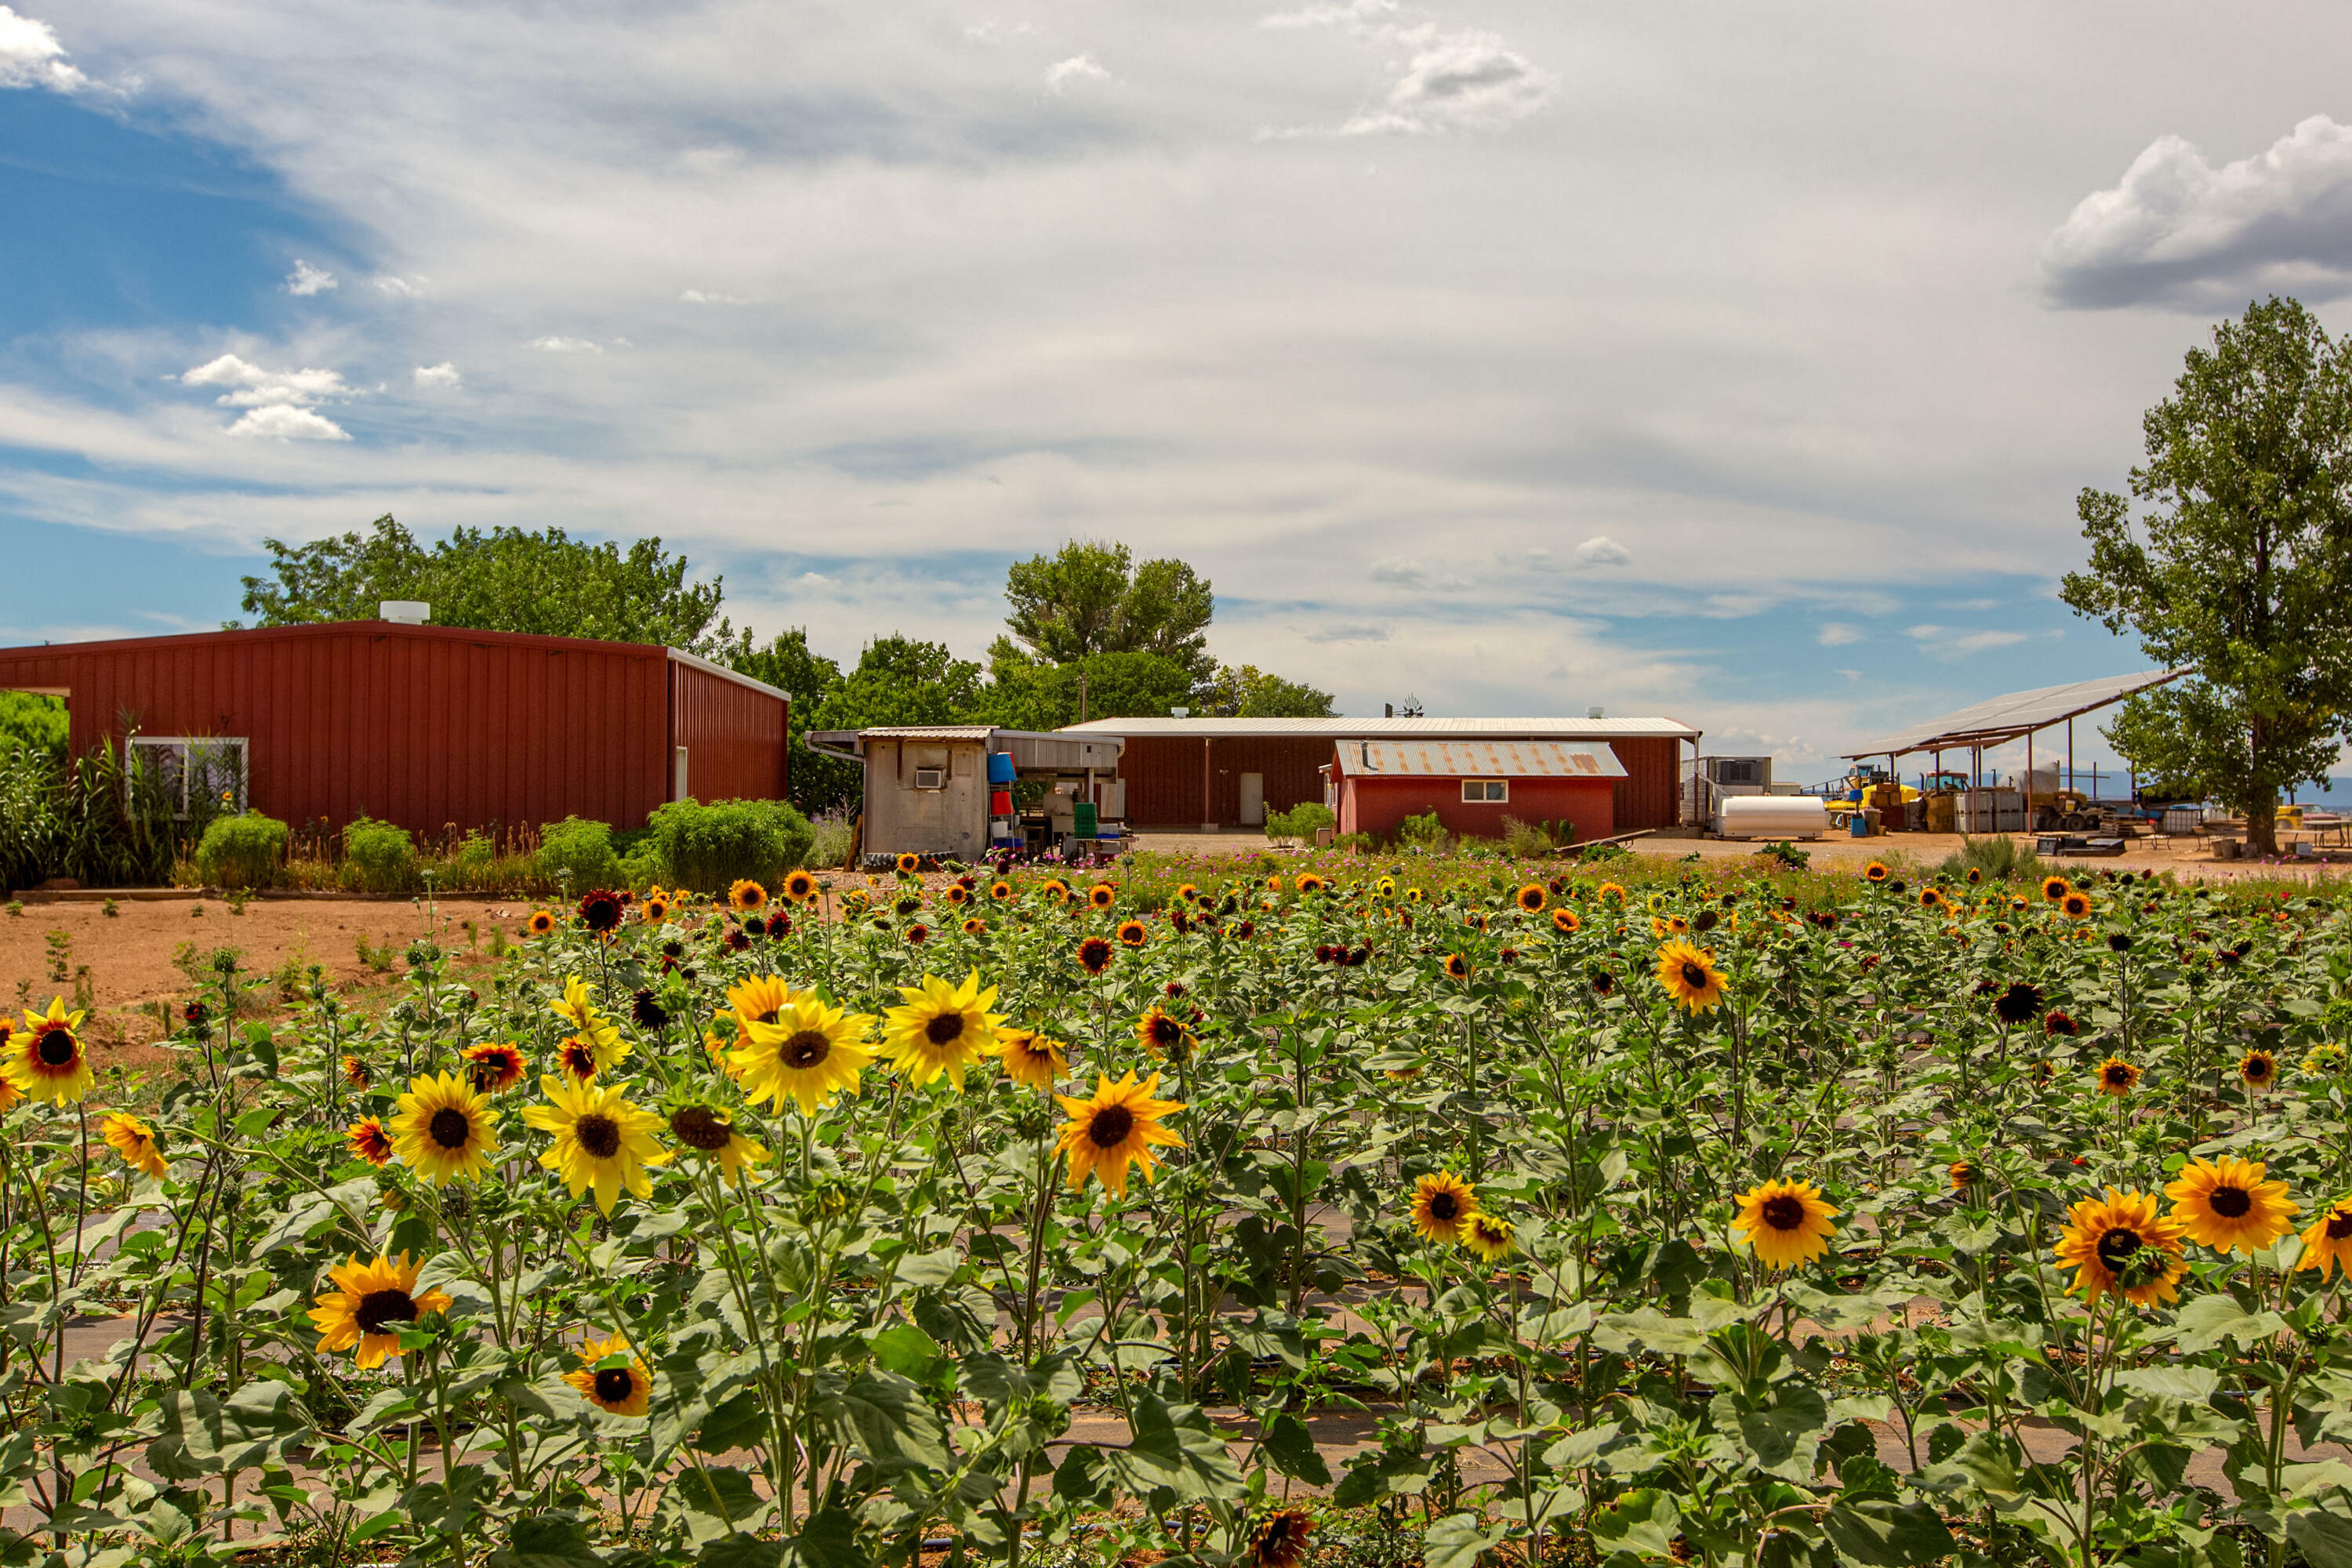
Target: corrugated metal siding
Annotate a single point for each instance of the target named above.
(1650, 795)
(1379, 804)
(1479, 759)
(734, 736)
(1164, 776)
(423, 726)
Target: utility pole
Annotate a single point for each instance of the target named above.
(1082, 697)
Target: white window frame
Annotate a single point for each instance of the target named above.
(939, 777)
(182, 745)
(1483, 786)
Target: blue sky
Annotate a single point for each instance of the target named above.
(1738, 366)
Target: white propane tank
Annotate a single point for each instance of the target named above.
(1773, 816)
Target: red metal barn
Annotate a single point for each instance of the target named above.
(1473, 785)
(426, 726)
(1227, 772)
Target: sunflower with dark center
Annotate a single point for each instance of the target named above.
(46, 1060)
(2228, 1205)
(1489, 1236)
(367, 1139)
(1443, 1204)
(1281, 1540)
(443, 1127)
(917, 934)
(2121, 1244)
(2118, 1077)
(1532, 898)
(134, 1139)
(1456, 967)
(1030, 1058)
(1690, 977)
(910, 863)
(1785, 1223)
(612, 1378)
(1165, 1035)
(1114, 1130)
(1876, 871)
(2327, 1240)
(2021, 1003)
(369, 1300)
(602, 1142)
(2258, 1069)
(941, 1028)
(541, 922)
(1102, 895)
(601, 912)
(810, 1053)
(712, 1134)
(1095, 954)
(493, 1067)
(2075, 906)
(1564, 921)
(2059, 1022)
(1133, 933)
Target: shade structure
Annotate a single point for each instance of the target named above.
(2000, 719)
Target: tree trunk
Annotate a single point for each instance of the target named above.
(2261, 826)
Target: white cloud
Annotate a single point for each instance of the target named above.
(1950, 642)
(393, 285)
(437, 377)
(1602, 551)
(559, 345)
(287, 423)
(1404, 572)
(30, 55)
(307, 279)
(251, 386)
(706, 297)
(1463, 81)
(993, 32)
(1349, 14)
(1837, 634)
(2177, 231)
(1060, 75)
(1350, 631)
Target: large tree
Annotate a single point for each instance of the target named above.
(1245, 691)
(818, 783)
(2237, 565)
(1090, 597)
(505, 580)
(1027, 695)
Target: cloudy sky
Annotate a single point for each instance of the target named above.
(1739, 362)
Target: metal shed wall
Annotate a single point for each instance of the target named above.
(734, 735)
(1164, 778)
(422, 726)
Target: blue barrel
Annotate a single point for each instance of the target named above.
(999, 769)
(1857, 825)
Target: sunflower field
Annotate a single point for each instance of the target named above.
(1308, 1219)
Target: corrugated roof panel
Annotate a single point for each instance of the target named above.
(1476, 759)
(1395, 728)
(2004, 718)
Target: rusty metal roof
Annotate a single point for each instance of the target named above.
(1441, 729)
(1478, 759)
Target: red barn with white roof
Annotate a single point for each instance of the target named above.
(1473, 785)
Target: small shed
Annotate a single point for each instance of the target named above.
(1473, 785)
(927, 785)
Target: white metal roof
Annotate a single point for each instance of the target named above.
(1478, 759)
(1998, 720)
(1538, 729)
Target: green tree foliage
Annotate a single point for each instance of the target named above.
(897, 680)
(2236, 565)
(1091, 597)
(39, 723)
(818, 784)
(505, 580)
(1029, 695)
(1245, 691)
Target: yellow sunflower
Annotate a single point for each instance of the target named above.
(134, 1140)
(371, 1299)
(1488, 1236)
(1102, 895)
(2121, 1243)
(444, 1129)
(541, 922)
(1456, 967)
(2228, 1206)
(601, 1139)
(1133, 933)
(577, 1058)
(2258, 1069)
(2118, 1077)
(1612, 890)
(1532, 898)
(1443, 1204)
(2054, 889)
(46, 1059)
(1055, 889)
(1308, 882)
(761, 999)
(975, 926)
(612, 1378)
(367, 1139)
(910, 863)
(1030, 1058)
(600, 1034)
(1690, 976)
(1117, 1128)
(1784, 1223)
(711, 1132)
(943, 1028)
(1564, 921)
(656, 908)
(800, 887)
(493, 1067)
(2075, 906)
(2327, 1240)
(1876, 871)
(812, 1052)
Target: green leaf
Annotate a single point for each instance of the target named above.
(711, 1504)
(1174, 1456)
(1458, 1540)
(547, 1541)
(829, 1540)
(1290, 1446)
(885, 1418)
(1643, 1522)
(1878, 1533)
(2207, 1320)
(2324, 1539)
(1652, 1330)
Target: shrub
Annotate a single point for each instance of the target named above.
(1356, 843)
(1424, 832)
(643, 866)
(244, 851)
(1998, 857)
(378, 857)
(834, 834)
(1526, 840)
(578, 853)
(709, 847)
(1300, 821)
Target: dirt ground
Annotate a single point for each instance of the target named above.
(135, 958)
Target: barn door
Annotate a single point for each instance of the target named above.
(1253, 800)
